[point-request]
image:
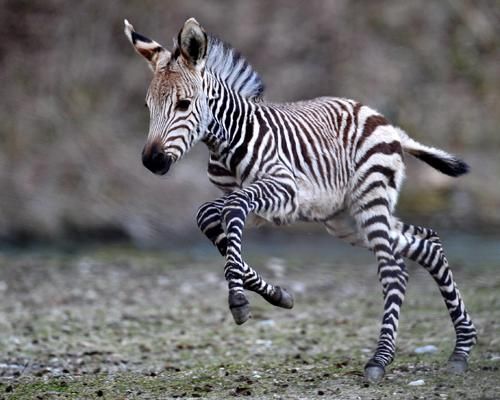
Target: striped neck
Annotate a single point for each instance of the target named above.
(231, 116)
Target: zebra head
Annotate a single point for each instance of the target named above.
(175, 98)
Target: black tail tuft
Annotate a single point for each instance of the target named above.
(450, 166)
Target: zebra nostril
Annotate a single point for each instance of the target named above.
(156, 160)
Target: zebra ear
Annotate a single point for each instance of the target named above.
(152, 51)
(193, 43)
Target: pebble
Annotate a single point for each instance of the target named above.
(419, 382)
(426, 349)
(297, 287)
(277, 266)
(264, 343)
(266, 323)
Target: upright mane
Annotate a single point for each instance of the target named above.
(230, 66)
(227, 63)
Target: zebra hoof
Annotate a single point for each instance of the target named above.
(240, 308)
(280, 298)
(374, 373)
(457, 364)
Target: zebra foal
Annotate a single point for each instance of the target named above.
(327, 160)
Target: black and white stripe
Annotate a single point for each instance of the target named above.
(327, 160)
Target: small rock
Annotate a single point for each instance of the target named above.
(143, 348)
(266, 323)
(297, 287)
(264, 343)
(242, 391)
(276, 266)
(426, 349)
(418, 382)
(163, 280)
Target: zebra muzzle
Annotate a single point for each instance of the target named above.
(156, 161)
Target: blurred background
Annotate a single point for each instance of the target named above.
(72, 120)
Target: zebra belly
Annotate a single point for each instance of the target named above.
(312, 204)
(316, 203)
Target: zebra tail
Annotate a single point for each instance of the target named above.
(442, 161)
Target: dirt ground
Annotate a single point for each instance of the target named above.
(114, 322)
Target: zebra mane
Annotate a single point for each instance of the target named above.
(230, 66)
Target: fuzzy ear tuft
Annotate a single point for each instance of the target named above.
(193, 42)
(152, 51)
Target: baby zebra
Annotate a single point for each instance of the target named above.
(327, 160)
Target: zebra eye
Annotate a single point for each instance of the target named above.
(182, 105)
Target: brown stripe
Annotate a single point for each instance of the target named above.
(371, 123)
(381, 148)
(387, 172)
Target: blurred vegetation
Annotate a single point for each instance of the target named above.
(72, 121)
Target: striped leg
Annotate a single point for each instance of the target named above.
(423, 246)
(268, 196)
(209, 220)
(375, 225)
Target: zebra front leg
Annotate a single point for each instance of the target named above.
(275, 295)
(234, 214)
(209, 221)
(423, 246)
(273, 198)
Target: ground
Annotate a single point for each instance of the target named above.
(114, 322)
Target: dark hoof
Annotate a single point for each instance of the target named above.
(374, 373)
(240, 308)
(280, 298)
(457, 364)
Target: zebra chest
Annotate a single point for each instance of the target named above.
(229, 176)
(223, 176)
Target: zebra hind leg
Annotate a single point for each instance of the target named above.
(375, 224)
(209, 221)
(423, 246)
